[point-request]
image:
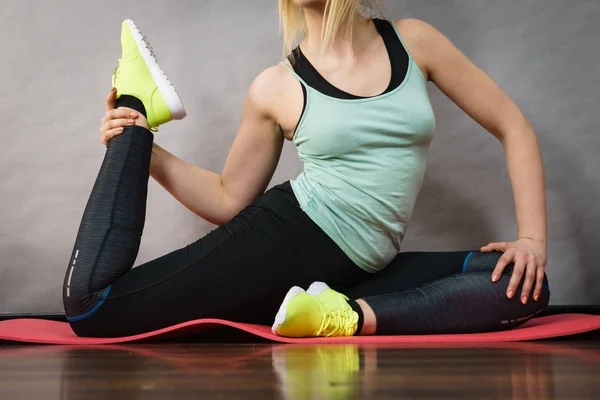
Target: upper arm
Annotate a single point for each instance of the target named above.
(463, 82)
(257, 147)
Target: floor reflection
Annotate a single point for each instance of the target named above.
(506, 370)
(318, 372)
(349, 371)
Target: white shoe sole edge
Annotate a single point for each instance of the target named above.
(164, 86)
(316, 288)
(281, 314)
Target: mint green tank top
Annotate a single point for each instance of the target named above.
(364, 161)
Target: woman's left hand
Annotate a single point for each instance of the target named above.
(529, 257)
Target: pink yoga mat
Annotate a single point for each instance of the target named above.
(52, 332)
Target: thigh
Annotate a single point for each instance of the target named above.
(240, 271)
(409, 270)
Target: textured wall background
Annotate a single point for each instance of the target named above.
(56, 60)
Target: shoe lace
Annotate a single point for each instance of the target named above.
(338, 323)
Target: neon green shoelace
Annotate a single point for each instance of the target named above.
(341, 322)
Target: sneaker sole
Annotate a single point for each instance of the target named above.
(160, 78)
(281, 314)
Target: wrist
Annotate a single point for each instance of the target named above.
(537, 239)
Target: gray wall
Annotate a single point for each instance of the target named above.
(56, 60)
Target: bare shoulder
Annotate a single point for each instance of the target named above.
(269, 85)
(415, 30)
(421, 39)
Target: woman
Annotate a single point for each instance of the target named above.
(360, 116)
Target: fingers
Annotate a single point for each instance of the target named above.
(119, 113)
(506, 259)
(107, 135)
(112, 124)
(114, 121)
(486, 248)
(518, 271)
(539, 282)
(110, 99)
(117, 123)
(502, 246)
(530, 273)
(528, 265)
(113, 127)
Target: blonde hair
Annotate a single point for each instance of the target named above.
(339, 15)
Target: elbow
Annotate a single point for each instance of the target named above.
(227, 214)
(219, 219)
(228, 209)
(218, 209)
(515, 129)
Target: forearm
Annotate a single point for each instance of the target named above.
(526, 171)
(200, 190)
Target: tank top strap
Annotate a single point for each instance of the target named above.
(400, 38)
(294, 73)
(412, 63)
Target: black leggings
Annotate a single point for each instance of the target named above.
(239, 271)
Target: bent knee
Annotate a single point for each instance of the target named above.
(79, 306)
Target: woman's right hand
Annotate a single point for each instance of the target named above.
(115, 120)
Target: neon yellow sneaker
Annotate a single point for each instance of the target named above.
(321, 312)
(330, 298)
(139, 75)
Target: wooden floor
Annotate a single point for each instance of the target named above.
(541, 370)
